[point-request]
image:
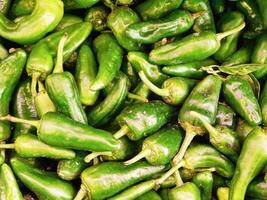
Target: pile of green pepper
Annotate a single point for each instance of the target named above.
(133, 100)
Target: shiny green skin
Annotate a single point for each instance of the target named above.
(218, 6)
(241, 56)
(151, 195)
(71, 169)
(29, 146)
(132, 74)
(262, 5)
(239, 95)
(194, 47)
(106, 109)
(155, 9)
(205, 156)
(11, 69)
(9, 188)
(243, 129)
(52, 130)
(263, 104)
(188, 70)
(229, 21)
(143, 119)
(4, 6)
(162, 145)
(97, 15)
(3, 52)
(109, 56)
(23, 107)
(43, 184)
(118, 21)
(139, 61)
(188, 191)
(204, 181)
(85, 74)
(149, 32)
(63, 91)
(251, 161)
(38, 63)
(206, 21)
(26, 30)
(77, 4)
(203, 100)
(226, 116)
(68, 20)
(257, 189)
(116, 177)
(22, 7)
(259, 55)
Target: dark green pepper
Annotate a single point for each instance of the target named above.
(262, 5)
(263, 104)
(97, 15)
(239, 95)
(241, 56)
(78, 4)
(204, 181)
(257, 189)
(22, 7)
(151, 195)
(68, 20)
(3, 52)
(44, 184)
(218, 6)
(10, 71)
(226, 116)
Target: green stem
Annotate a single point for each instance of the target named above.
(35, 77)
(161, 92)
(122, 132)
(109, 4)
(18, 120)
(7, 146)
(81, 193)
(137, 97)
(220, 36)
(94, 155)
(40, 86)
(59, 63)
(138, 157)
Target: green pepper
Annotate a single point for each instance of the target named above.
(44, 184)
(203, 100)
(118, 21)
(4, 6)
(251, 161)
(259, 55)
(159, 148)
(226, 116)
(71, 169)
(148, 32)
(97, 15)
(155, 9)
(241, 56)
(3, 52)
(9, 188)
(26, 29)
(139, 120)
(206, 21)
(229, 21)
(188, 191)
(23, 107)
(2, 155)
(223, 193)
(10, 71)
(257, 189)
(68, 20)
(78, 4)
(151, 195)
(188, 70)
(109, 56)
(204, 181)
(243, 129)
(218, 6)
(194, 47)
(263, 104)
(116, 176)
(262, 5)
(22, 7)
(239, 95)
(51, 129)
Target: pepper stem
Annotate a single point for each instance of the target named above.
(94, 155)
(109, 4)
(59, 63)
(7, 146)
(19, 120)
(178, 179)
(159, 91)
(40, 86)
(81, 193)
(138, 157)
(189, 136)
(123, 131)
(137, 97)
(35, 77)
(220, 36)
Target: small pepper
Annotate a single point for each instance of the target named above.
(204, 181)
(263, 104)
(226, 116)
(68, 20)
(188, 191)
(97, 15)
(241, 56)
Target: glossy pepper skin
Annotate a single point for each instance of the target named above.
(23, 107)
(226, 116)
(68, 20)
(109, 56)
(204, 181)
(151, 195)
(117, 177)
(78, 4)
(9, 188)
(251, 161)
(10, 71)
(118, 21)
(45, 185)
(262, 5)
(241, 56)
(149, 32)
(257, 189)
(97, 15)
(187, 191)
(26, 30)
(22, 7)
(155, 9)
(236, 88)
(263, 104)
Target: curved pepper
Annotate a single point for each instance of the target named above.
(3, 52)
(97, 15)
(10, 71)
(194, 47)
(44, 184)
(22, 7)
(188, 191)
(263, 104)
(226, 116)
(251, 161)
(204, 181)
(241, 56)
(68, 20)
(26, 29)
